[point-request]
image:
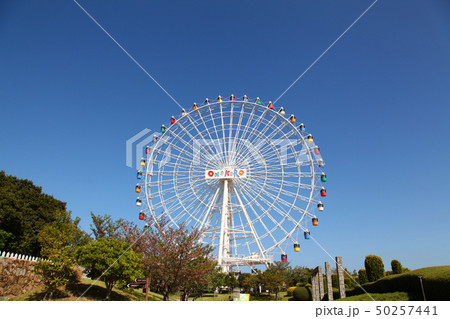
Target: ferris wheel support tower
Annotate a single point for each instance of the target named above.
(225, 259)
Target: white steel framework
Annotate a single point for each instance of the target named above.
(245, 174)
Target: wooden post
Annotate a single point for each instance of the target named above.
(146, 288)
(329, 281)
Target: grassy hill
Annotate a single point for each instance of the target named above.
(436, 283)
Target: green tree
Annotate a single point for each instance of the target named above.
(246, 282)
(362, 274)
(396, 267)
(110, 260)
(300, 275)
(103, 226)
(230, 280)
(24, 211)
(216, 279)
(59, 241)
(374, 267)
(272, 279)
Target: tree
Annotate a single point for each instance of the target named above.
(59, 241)
(272, 280)
(396, 267)
(110, 260)
(374, 267)
(24, 211)
(230, 280)
(173, 258)
(300, 275)
(103, 226)
(246, 282)
(362, 275)
(216, 279)
(286, 271)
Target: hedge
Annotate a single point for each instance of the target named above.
(436, 283)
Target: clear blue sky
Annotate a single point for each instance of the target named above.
(377, 104)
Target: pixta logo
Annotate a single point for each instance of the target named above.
(136, 145)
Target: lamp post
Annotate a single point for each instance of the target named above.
(423, 290)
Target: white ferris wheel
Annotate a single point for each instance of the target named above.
(244, 173)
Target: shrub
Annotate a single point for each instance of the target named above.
(347, 282)
(396, 267)
(334, 280)
(436, 282)
(302, 294)
(362, 274)
(374, 267)
(290, 291)
(54, 275)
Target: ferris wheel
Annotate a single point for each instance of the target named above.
(244, 173)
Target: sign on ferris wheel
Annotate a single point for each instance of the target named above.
(226, 173)
(246, 175)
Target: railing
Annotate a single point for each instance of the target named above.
(5, 254)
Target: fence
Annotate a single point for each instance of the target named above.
(20, 256)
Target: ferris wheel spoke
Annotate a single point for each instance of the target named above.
(192, 138)
(205, 216)
(256, 141)
(266, 127)
(195, 124)
(275, 181)
(236, 133)
(203, 198)
(250, 224)
(174, 198)
(259, 219)
(286, 192)
(220, 146)
(224, 143)
(245, 130)
(283, 214)
(276, 200)
(244, 141)
(168, 153)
